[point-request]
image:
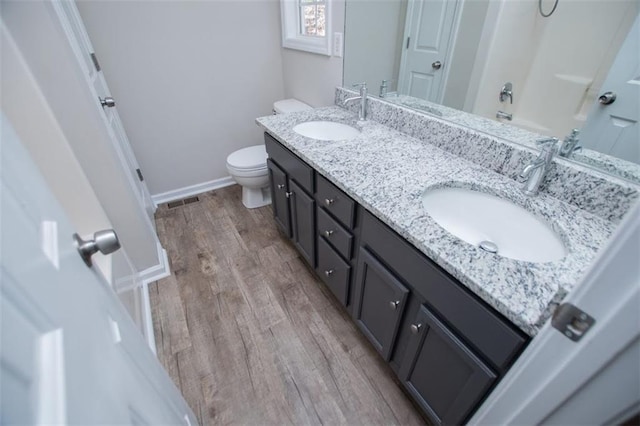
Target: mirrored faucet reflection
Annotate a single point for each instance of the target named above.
(570, 144)
(362, 112)
(384, 87)
(535, 171)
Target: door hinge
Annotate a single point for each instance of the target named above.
(94, 59)
(140, 175)
(572, 321)
(408, 38)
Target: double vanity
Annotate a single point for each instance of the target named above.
(446, 265)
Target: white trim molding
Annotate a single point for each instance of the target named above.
(156, 272)
(149, 275)
(291, 36)
(187, 191)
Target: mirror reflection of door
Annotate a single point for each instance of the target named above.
(427, 38)
(612, 128)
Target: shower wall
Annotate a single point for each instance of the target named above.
(556, 64)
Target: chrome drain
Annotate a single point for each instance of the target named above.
(488, 246)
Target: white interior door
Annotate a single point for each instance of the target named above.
(613, 129)
(69, 352)
(68, 14)
(427, 38)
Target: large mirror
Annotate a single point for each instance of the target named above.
(546, 66)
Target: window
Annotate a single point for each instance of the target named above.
(306, 25)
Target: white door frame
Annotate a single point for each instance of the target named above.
(69, 18)
(592, 376)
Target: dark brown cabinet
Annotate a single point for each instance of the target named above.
(279, 197)
(303, 209)
(444, 376)
(447, 346)
(379, 303)
(334, 271)
(294, 208)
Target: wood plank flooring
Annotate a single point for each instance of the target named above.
(250, 336)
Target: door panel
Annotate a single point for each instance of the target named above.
(428, 31)
(444, 376)
(303, 224)
(70, 353)
(71, 21)
(613, 129)
(279, 200)
(380, 299)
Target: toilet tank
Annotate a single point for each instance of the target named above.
(289, 105)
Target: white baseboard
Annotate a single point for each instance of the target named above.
(156, 272)
(187, 191)
(148, 319)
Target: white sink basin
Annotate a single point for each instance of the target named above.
(493, 224)
(326, 131)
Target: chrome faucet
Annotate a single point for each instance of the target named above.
(506, 92)
(535, 171)
(570, 144)
(384, 87)
(505, 115)
(362, 112)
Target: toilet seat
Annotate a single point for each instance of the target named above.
(261, 171)
(248, 159)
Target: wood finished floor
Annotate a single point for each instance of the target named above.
(250, 336)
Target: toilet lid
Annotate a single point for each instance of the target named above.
(253, 157)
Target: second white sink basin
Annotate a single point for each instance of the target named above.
(326, 131)
(493, 224)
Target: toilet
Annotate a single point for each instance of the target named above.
(248, 166)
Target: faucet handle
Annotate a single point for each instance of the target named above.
(574, 134)
(363, 89)
(546, 142)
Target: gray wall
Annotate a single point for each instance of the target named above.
(373, 42)
(313, 78)
(190, 77)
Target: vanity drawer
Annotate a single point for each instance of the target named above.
(334, 271)
(340, 205)
(335, 234)
(486, 330)
(297, 169)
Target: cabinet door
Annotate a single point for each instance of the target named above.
(441, 373)
(279, 197)
(379, 302)
(303, 208)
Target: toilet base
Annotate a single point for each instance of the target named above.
(255, 197)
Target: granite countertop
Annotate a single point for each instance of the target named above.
(387, 172)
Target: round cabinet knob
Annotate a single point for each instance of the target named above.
(328, 233)
(394, 304)
(281, 186)
(329, 272)
(288, 194)
(607, 98)
(329, 201)
(436, 65)
(415, 328)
